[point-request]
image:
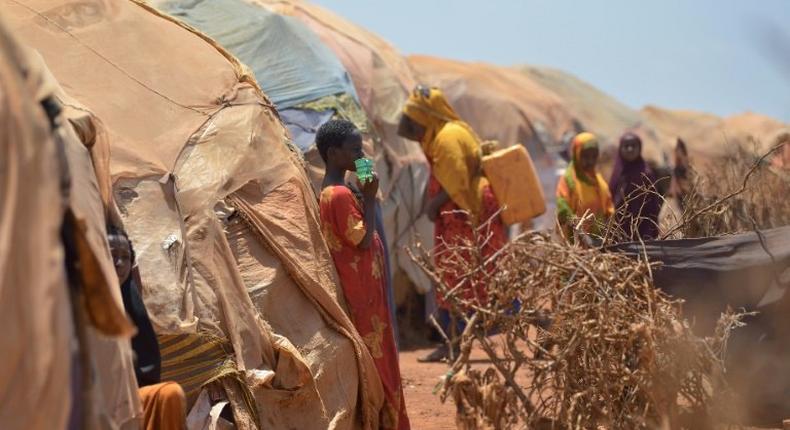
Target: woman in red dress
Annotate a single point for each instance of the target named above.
(349, 226)
(461, 202)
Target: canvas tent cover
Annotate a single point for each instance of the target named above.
(34, 303)
(202, 150)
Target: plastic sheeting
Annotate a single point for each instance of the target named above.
(303, 125)
(290, 62)
(199, 131)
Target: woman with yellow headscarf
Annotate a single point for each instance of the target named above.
(460, 198)
(582, 189)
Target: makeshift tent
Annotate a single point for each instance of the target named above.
(597, 111)
(382, 79)
(289, 61)
(219, 210)
(102, 388)
(709, 136)
(505, 105)
(301, 75)
(34, 302)
(749, 272)
(304, 79)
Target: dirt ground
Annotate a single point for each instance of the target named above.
(426, 411)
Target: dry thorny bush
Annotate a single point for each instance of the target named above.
(743, 193)
(593, 344)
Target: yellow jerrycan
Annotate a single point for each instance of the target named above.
(515, 183)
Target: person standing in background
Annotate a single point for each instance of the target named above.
(164, 403)
(582, 190)
(632, 185)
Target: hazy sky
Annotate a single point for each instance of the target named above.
(720, 56)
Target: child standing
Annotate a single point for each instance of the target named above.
(349, 227)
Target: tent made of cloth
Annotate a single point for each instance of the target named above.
(383, 80)
(286, 57)
(195, 149)
(743, 272)
(34, 302)
(102, 381)
(596, 111)
(708, 136)
(289, 61)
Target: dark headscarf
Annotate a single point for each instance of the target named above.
(147, 357)
(626, 181)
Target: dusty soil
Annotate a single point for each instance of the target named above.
(425, 409)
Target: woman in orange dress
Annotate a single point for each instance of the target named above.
(348, 222)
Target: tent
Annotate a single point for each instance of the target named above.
(597, 111)
(383, 79)
(301, 76)
(220, 211)
(709, 136)
(304, 79)
(34, 302)
(86, 349)
(505, 105)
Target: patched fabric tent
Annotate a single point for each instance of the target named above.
(304, 79)
(504, 104)
(709, 136)
(597, 111)
(34, 302)
(220, 212)
(299, 74)
(289, 61)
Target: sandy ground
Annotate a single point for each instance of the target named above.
(425, 409)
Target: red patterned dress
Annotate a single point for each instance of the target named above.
(453, 227)
(362, 278)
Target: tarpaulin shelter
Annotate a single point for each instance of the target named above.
(748, 272)
(219, 210)
(383, 80)
(289, 61)
(597, 111)
(506, 105)
(303, 78)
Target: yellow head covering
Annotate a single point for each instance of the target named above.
(451, 146)
(429, 108)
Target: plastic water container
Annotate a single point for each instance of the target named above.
(515, 183)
